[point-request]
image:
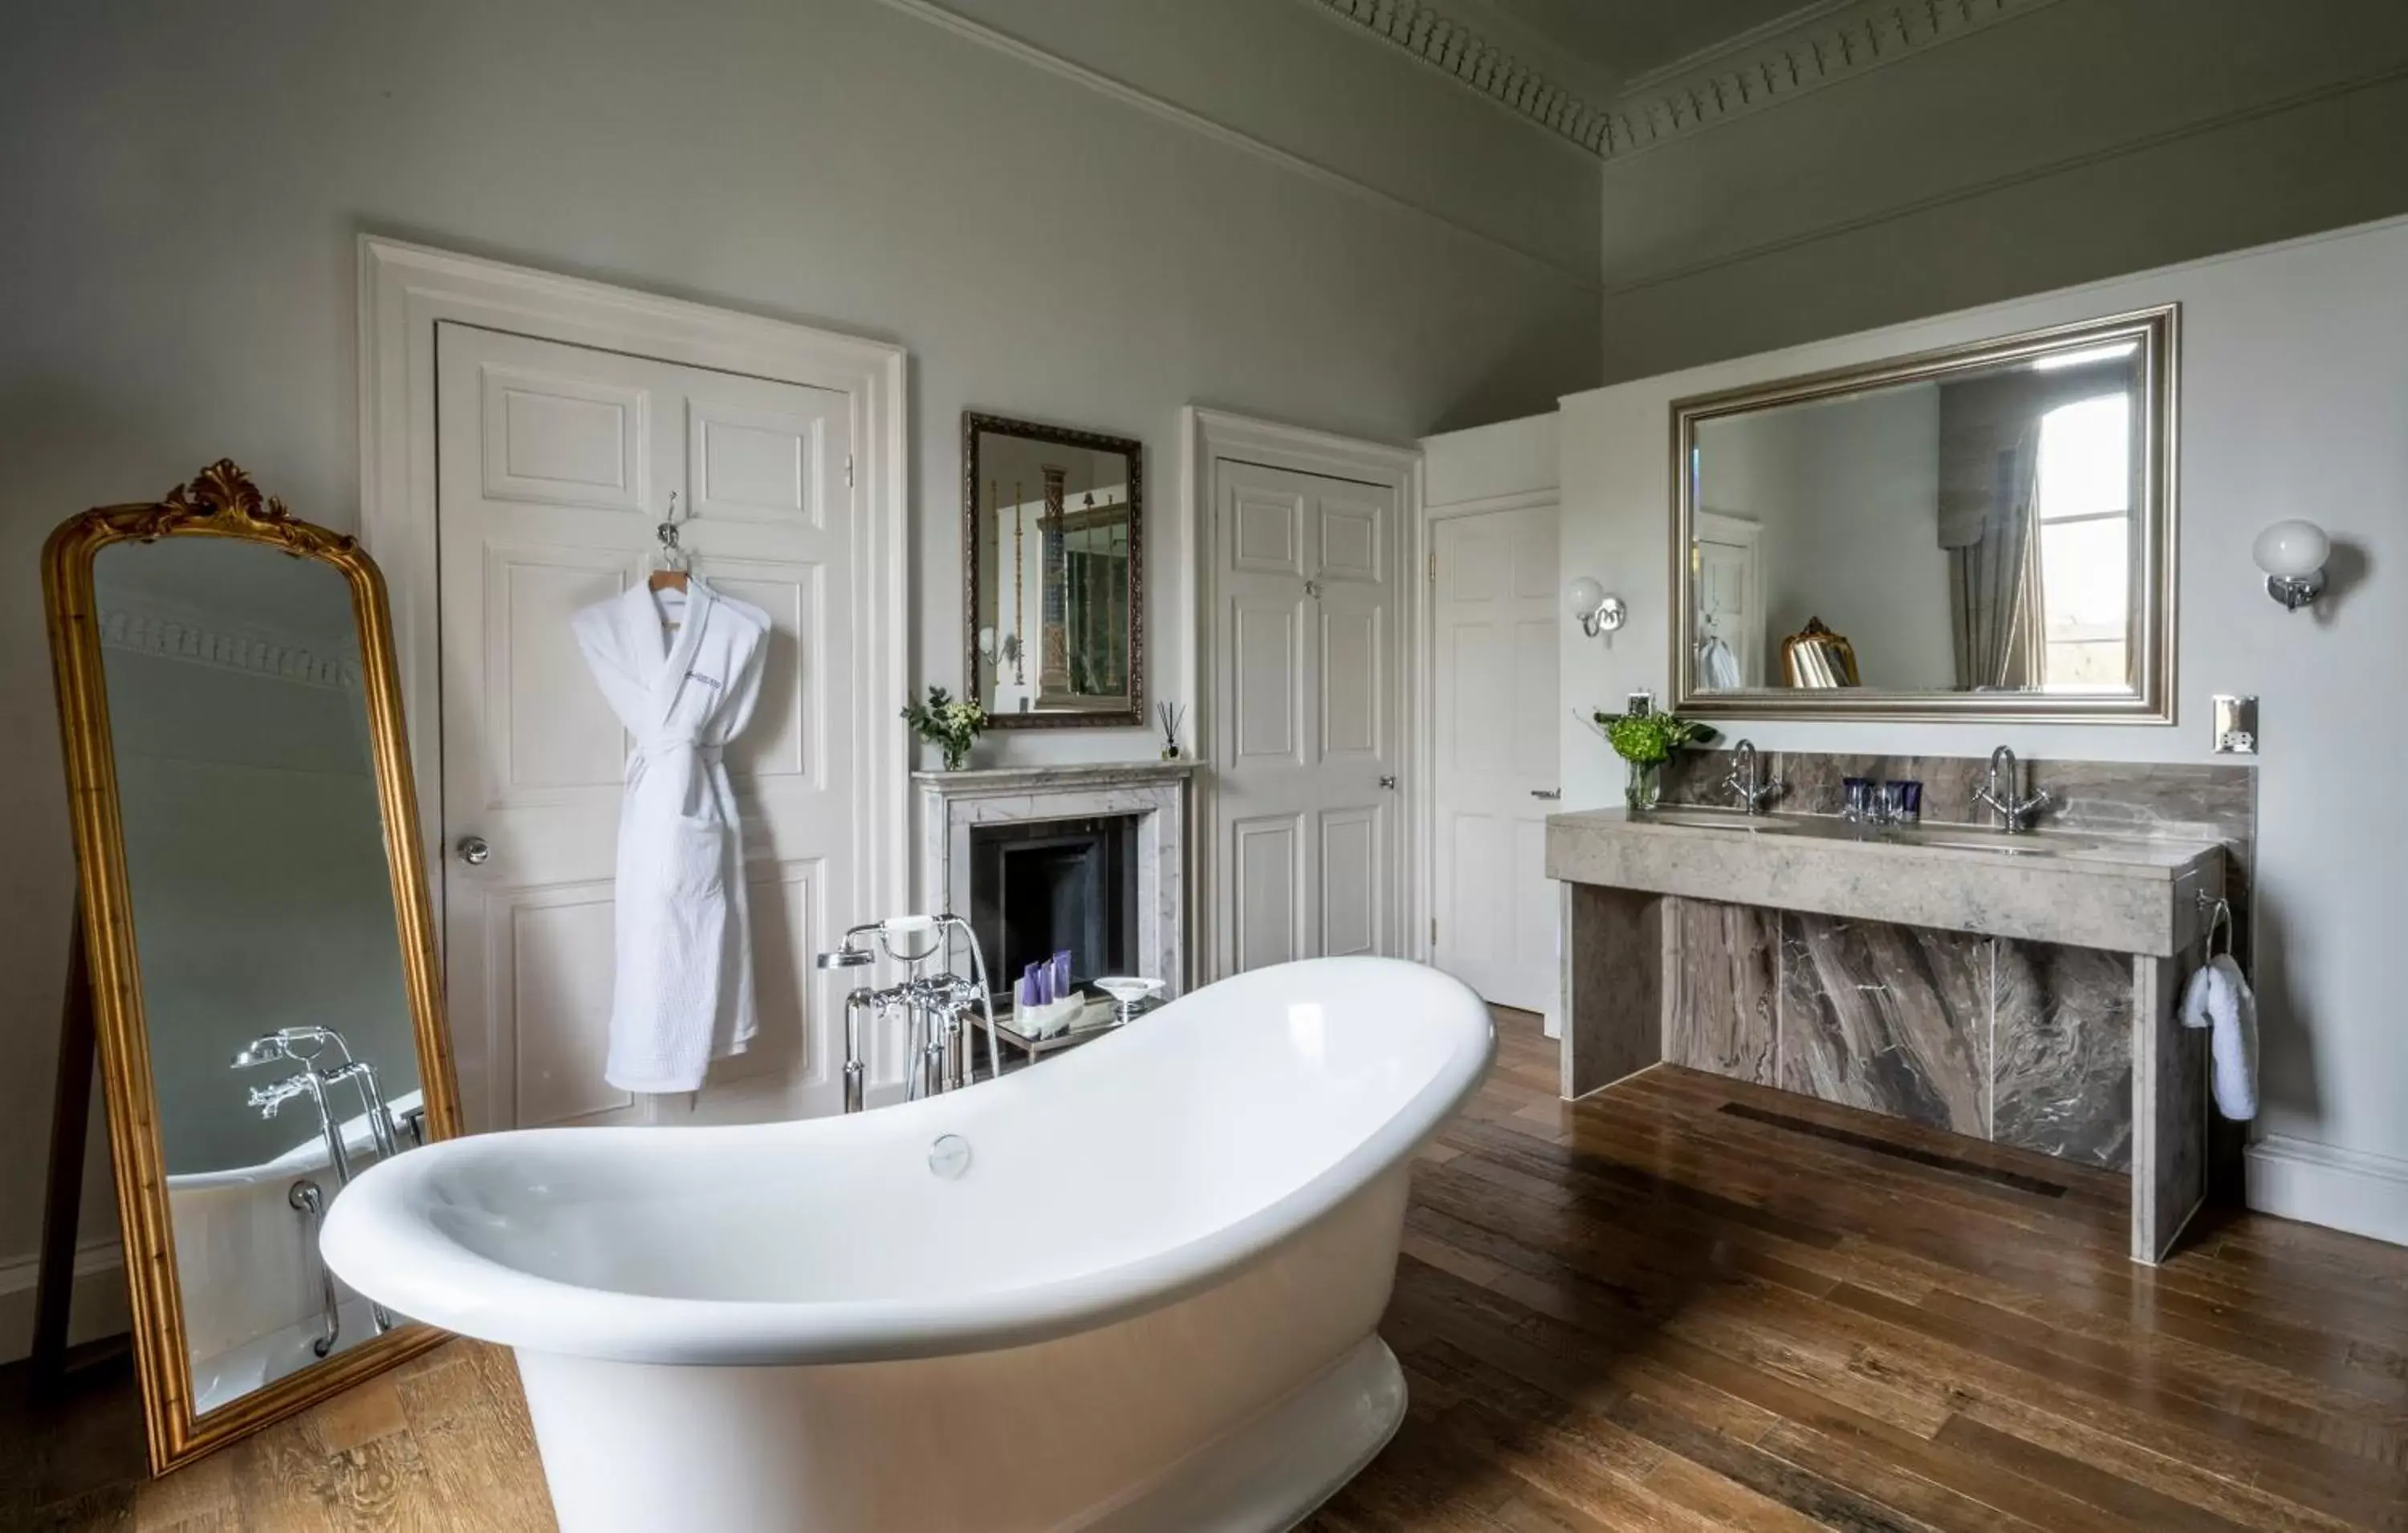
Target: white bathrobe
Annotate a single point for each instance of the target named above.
(683, 990)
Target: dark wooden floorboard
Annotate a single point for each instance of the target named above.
(1682, 1305)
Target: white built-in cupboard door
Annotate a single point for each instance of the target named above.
(556, 463)
(1305, 751)
(1494, 636)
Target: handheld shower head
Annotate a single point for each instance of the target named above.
(260, 1050)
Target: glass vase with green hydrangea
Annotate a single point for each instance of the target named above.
(1645, 738)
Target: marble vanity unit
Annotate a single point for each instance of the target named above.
(2018, 988)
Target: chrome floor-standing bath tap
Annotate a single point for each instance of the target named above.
(302, 1046)
(938, 1004)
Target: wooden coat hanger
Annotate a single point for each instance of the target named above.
(672, 575)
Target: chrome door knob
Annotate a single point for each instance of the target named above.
(473, 851)
(1387, 782)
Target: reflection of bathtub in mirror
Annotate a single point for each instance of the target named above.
(247, 1261)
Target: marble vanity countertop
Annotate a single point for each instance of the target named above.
(2121, 893)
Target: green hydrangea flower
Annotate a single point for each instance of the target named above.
(1648, 739)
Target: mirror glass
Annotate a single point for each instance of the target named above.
(1985, 527)
(1054, 530)
(282, 1050)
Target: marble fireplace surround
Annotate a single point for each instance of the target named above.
(2023, 1001)
(949, 804)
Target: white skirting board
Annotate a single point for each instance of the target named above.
(99, 1308)
(2345, 1189)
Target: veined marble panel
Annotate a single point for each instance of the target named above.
(1722, 1004)
(2062, 1075)
(1893, 1019)
(1613, 984)
(2170, 1108)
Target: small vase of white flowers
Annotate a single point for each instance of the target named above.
(951, 726)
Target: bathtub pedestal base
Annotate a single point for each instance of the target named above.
(1269, 1474)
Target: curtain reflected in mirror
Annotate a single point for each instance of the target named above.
(1988, 524)
(282, 1049)
(1053, 556)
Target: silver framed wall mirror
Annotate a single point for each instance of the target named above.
(1054, 574)
(1985, 531)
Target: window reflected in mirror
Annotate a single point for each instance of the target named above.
(1984, 526)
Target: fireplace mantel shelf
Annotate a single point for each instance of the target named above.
(1081, 774)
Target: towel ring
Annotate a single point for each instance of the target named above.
(2219, 914)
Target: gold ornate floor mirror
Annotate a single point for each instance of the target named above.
(255, 934)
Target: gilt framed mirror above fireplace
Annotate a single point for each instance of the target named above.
(1088, 859)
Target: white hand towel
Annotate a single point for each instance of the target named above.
(2218, 999)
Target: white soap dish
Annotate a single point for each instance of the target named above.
(1126, 991)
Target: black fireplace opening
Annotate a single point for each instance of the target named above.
(1039, 887)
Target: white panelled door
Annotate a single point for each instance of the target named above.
(1492, 646)
(557, 464)
(1305, 755)
(1729, 592)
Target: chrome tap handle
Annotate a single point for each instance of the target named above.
(2014, 814)
(268, 1098)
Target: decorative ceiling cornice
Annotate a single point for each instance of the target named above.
(1449, 45)
(173, 633)
(1826, 43)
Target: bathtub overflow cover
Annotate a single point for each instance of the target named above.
(949, 1157)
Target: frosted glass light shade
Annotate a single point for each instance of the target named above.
(1586, 595)
(2292, 549)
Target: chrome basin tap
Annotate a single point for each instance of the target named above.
(2003, 796)
(1752, 797)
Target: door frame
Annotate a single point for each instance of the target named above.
(1425, 700)
(1205, 438)
(407, 290)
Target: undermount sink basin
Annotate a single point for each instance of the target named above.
(1708, 820)
(2020, 846)
(1824, 828)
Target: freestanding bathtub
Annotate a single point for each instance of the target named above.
(1133, 1288)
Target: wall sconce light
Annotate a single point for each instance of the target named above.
(2292, 553)
(1598, 614)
